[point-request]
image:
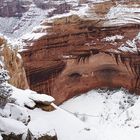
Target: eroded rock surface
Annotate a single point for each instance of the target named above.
(85, 49)
(13, 8)
(13, 63)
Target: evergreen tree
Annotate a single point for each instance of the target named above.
(5, 90)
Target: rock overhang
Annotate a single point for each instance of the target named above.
(96, 48)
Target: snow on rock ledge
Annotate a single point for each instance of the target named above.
(8, 126)
(17, 113)
(42, 98)
(15, 117)
(30, 98)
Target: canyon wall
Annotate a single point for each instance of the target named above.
(88, 48)
(12, 62)
(13, 8)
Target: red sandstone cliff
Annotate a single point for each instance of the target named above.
(85, 49)
(13, 63)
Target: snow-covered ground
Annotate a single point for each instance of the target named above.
(98, 115)
(112, 115)
(15, 118)
(64, 124)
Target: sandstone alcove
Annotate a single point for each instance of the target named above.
(78, 53)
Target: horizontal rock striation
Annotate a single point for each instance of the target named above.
(12, 61)
(77, 52)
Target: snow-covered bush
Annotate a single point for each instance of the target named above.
(5, 90)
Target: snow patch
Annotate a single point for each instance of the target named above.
(42, 98)
(28, 97)
(117, 111)
(131, 45)
(8, 126)
(33, 36)
(1, 137)
(121, 15)
(113, 38)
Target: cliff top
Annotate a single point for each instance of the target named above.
(30, 13)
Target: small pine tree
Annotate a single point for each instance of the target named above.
(5, 90)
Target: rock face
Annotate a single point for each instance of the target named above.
(44, 137)
(21, 16)
(12, 137)
(13, 8)
(85, 49)
(13, 63)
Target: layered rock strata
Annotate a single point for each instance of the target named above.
(77, 52)
(13, 63)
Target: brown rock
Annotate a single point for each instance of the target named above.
(14, 65)
(47, 108)
(12, 137)
(43, 137)
(75, 56)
